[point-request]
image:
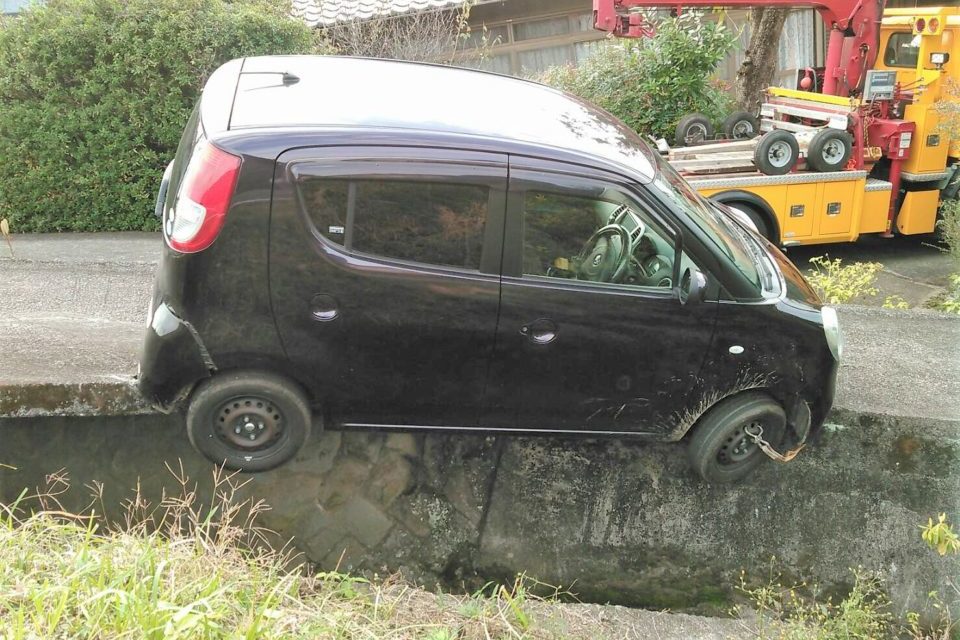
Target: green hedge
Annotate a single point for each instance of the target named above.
(94, 95)
(651, 83)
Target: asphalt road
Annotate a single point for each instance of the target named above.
(74, 307)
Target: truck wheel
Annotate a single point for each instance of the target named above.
(692, 129)
(776, 153)
(720, 450)
(248, 420)
(740, 125)
(829, 150)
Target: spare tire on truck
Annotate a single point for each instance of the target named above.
(776, 153)
(829, 150)
(740, 125)
(693, 129)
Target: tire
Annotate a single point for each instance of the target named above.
(271, 410)
(829, 150)
(714, 450)
(741, 125)
(694, 128)
(776, 153)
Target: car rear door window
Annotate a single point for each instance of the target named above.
(437, 223)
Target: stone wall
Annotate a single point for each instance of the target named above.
(619, 521)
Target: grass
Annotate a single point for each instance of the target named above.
(180, 570)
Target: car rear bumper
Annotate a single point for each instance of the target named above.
(173, 359)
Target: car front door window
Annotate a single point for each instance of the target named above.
(604, 240)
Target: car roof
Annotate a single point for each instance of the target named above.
(334, 91)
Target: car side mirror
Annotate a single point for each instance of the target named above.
(693, 286)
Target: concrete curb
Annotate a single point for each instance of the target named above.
(72, 400)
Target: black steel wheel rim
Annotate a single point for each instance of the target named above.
(249, 423)
(738, 446)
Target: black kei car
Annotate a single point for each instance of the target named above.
(375, 244)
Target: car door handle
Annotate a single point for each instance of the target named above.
(542, 331)
(323, 308)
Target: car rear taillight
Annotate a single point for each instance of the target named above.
(203, 199)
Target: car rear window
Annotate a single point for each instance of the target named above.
(438, 223)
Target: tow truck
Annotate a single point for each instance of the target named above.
(856, 148)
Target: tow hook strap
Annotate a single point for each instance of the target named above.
(766, 447)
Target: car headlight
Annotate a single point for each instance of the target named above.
(831, 327)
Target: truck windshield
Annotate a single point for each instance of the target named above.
(678, 193)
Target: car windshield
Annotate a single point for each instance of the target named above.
(722, 231)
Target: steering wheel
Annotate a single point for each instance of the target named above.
(600, 260)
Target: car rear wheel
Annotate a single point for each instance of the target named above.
(248, 420)
(721, 451)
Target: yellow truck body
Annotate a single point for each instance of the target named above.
(816, 208)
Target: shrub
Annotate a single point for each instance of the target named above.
(94, 95)
(651, 83)
(948, 107)
(949, 227)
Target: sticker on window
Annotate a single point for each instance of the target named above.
(335, 229)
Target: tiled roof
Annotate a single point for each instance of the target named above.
(323, 13)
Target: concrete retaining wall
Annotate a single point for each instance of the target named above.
(621, 522)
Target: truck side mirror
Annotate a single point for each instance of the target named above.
(693, 286)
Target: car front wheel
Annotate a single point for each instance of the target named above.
(721, 449)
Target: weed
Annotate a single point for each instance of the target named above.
(949, 300)
(795, 612)
(181, 569)
(838, 283)
(895, 302)
(941, 536)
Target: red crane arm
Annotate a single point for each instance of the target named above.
(854, 30)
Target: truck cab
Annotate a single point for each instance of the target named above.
(922, 45)
(908, 39)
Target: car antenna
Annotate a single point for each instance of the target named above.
(288, 79)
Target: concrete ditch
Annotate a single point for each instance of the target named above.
(616, 521)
